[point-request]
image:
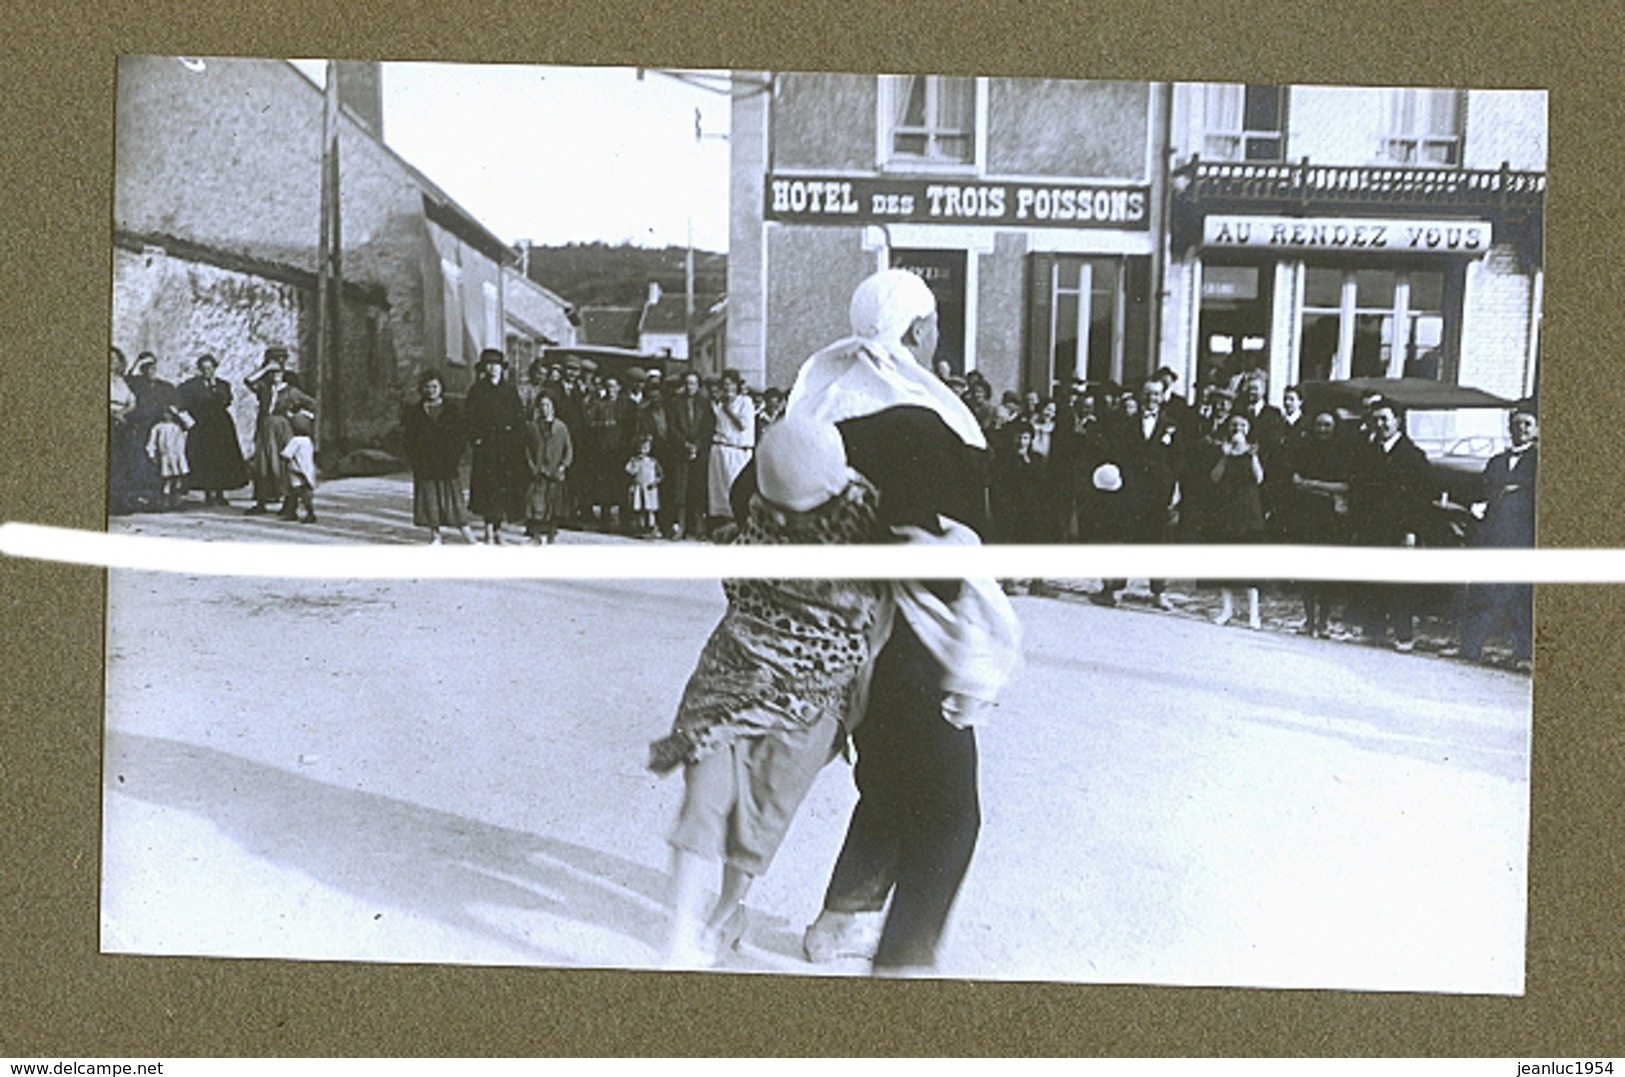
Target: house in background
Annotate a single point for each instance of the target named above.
(659, 330)
(217, 205)
(708, 340)
(1329, 232)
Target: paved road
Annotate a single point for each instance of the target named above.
(452, 771)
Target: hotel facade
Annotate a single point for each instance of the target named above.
(1103, 229)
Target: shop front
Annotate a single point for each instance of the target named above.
(1314, 273)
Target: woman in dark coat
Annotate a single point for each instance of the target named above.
(127, 459)
(153, 398)
(496, 429)
(433, 432)
(1318, 508)
(212, 450)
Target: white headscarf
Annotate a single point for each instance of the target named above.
(873, 369)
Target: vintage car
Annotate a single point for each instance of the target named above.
(1459, 428)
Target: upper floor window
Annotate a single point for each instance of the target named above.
(1424, 127)
(1244, 123)
(929, 119)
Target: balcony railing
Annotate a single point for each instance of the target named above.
(1306, 185)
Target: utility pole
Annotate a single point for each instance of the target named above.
(329, 278)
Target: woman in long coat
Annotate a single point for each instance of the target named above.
(435, 438)
(153, 399)
(278, 399)
(212, 451)
(496, 428)
(549, 454)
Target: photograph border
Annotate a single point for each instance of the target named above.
(63, 998)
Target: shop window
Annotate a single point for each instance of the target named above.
(1244, 123)
(1092, 319)
(1373, 323)
(929, 120)
(1424, 127)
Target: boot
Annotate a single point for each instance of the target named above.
(841, 934)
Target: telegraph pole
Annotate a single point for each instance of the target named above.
(329, 279)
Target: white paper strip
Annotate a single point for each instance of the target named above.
(703, 561)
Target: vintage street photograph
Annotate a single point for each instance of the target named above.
(462, 305)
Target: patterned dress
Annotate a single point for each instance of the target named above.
(787, 653)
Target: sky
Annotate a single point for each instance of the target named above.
(564, 154)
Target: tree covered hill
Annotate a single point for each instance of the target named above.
(598, 274)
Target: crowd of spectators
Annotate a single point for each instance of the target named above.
(654, 455)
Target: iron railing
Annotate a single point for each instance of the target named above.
(1307, 185)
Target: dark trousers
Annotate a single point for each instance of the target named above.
(1490, 607)
(917, 817)
(1384, 605)
(1148, 525)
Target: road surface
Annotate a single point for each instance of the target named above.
(440, 771)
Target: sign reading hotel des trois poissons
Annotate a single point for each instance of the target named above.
(865, 200)
(1347, 234)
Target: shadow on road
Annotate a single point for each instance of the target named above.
(393, 853)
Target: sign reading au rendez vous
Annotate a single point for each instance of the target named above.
(1347, 234)
(879, 200)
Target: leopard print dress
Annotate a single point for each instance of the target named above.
(787, 653)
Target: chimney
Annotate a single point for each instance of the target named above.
(361, 91)
(654, 293)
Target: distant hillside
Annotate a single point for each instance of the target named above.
(597, 274)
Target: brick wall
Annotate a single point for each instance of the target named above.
(1506, 126)
(1495, 328)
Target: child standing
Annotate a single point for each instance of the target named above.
(643, 497)
(774, 686)
(300, 454)
(166, 448)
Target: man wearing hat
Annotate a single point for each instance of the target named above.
(1506, 506)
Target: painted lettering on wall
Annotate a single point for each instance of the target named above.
(1468, 237)
(879, 200)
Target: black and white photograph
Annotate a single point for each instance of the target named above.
(361, 303)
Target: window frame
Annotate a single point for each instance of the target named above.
(1242, 135)
(889, 159)
(1408, 134)
(1116, 278)
(1400, 313)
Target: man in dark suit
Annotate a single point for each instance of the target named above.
(1506, 497)
(1389, 499)
(690, 426)
(1150, 455)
